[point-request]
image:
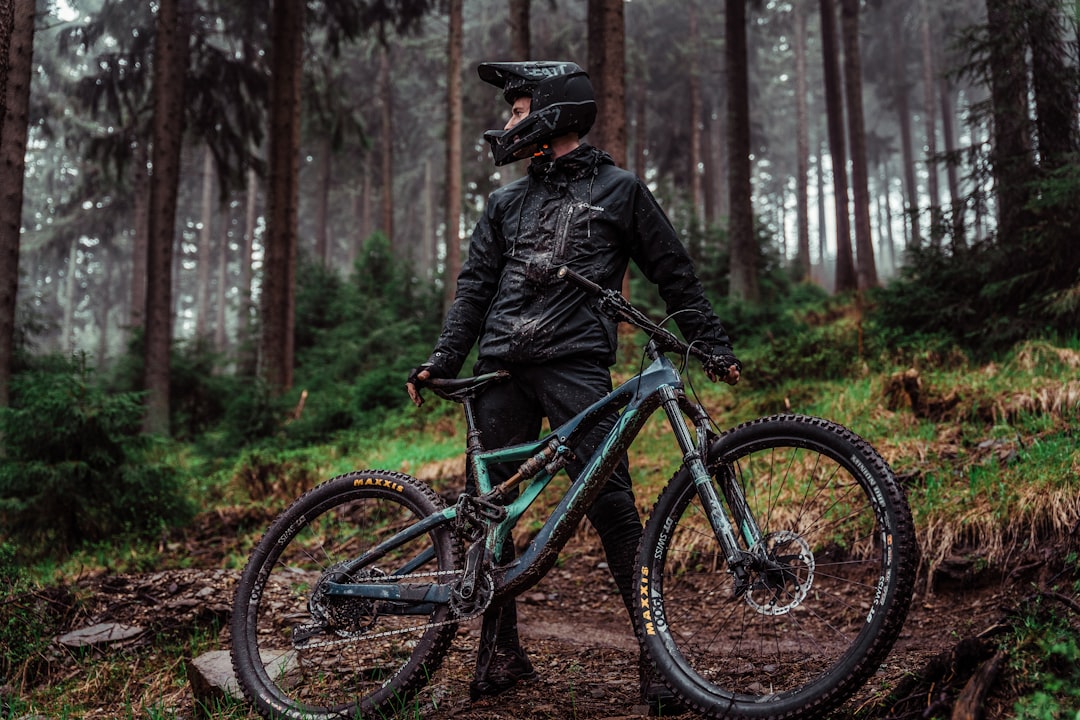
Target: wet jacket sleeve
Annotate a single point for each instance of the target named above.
(476, 286)
(662, 258)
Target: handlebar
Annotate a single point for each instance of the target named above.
(619, 309)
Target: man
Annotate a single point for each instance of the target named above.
(573, 208)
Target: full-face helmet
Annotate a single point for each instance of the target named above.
(562, 102)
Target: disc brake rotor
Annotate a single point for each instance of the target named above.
(783, 573)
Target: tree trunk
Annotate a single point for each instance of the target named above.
(220, 335)
(170, 69)
(364, 205)
(386, 93)
(279, 267)
(929, 116)
(1011, 156)
(105, 302)
(903, 119)
(607, 70)
(429, 242)
(67, 342)
(709, 160)
(7, 29)
(322, 201)
(140, 191)
(887, 237)
(454, 42)
(247, 365)
(744, 251)
(16, 53)
(1054, 84)
(723, 167)
(822, 218)
(695, 157)
(866, 267)
(948, 134)
(519, 30)
(845, 278)
(802, 147)
(641, 137)
(204, 261)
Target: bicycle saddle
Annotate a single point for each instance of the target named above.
(458, 389)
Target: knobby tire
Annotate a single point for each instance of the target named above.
(816, 622)
(337, 673)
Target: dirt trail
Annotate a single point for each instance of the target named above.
(573, 625)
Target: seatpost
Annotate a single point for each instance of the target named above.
(472, 439)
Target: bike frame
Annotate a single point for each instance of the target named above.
(659, 385)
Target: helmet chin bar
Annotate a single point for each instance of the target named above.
(539, 128)
(517, 143)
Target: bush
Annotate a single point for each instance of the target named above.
(77, 468)
(747, 323)
(809, 337)
(266, 475)
(1000, 290)
(356, 342)
(198, 389)
(252, 413)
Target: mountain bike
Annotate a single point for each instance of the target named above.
(775, 570)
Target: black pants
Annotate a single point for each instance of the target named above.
(512, 412)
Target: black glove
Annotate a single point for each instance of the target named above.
(413, 378)
(724, 366)
(414, 383)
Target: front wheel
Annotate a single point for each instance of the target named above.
(831, 569)
(300, 651)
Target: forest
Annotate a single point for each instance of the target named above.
(228, 230)
(845, 144)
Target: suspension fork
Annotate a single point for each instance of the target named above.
(694, 460)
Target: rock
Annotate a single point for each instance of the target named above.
(212, 679)
(100, 634)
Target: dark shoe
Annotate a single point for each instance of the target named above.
(661, 700)
(500, 662)
(506, 669)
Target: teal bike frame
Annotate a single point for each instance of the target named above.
(659, 385)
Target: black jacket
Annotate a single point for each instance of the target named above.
(584, 212)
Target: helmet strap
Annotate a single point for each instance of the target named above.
(543, 160)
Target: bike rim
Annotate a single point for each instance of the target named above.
(361, 653)
(815, 605)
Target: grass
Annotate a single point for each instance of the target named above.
(1044, 650)
(998, 470)
(994, 473)
(147, 682)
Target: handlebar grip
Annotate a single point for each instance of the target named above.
(566, 273)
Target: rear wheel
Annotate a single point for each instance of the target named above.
(830, 581)
(301, 652)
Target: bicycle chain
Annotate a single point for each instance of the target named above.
(387, 633)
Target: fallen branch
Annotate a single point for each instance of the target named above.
(969, 705)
